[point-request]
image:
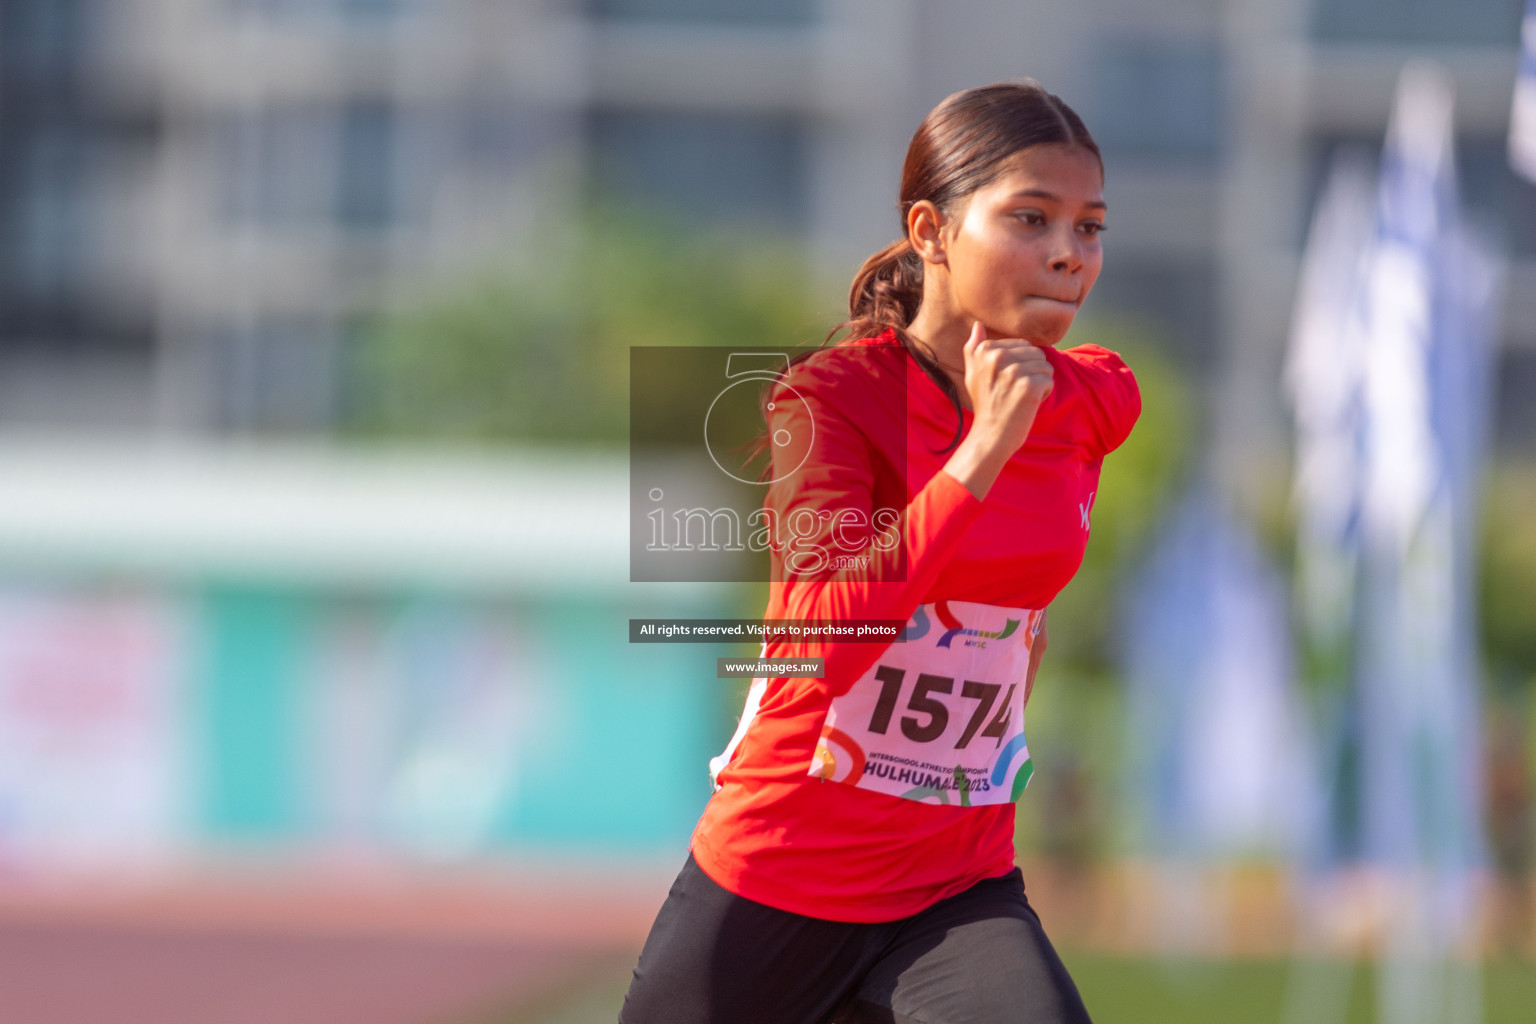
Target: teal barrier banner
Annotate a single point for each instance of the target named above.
(236, 717)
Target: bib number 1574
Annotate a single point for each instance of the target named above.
(930, 716)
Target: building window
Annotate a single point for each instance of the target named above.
(296, 166)
(345, 10)
(379, 10)
(62, 134)
(1434, 22)
(42, 41)
(366, 172)
(45, 129)
(704, 168)
(48, 221)
(280, 165)
(277, 375)
(786, 13)
(1157, 100)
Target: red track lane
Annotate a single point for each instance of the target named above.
(320, 951)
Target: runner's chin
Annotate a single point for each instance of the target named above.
(1047, 320)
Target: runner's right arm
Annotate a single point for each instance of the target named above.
(823, 503)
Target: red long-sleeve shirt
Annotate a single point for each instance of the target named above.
(860, 414)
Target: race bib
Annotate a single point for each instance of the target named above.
(939, 718)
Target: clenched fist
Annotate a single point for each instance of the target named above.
(1007, 379)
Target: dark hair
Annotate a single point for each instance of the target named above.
(961, 146)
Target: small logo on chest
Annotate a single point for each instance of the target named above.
(1085, 507)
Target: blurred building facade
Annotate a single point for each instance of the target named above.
(211, 649)
(197, 197)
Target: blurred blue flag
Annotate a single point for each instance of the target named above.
(1324, 378)
(1325, 382)
(1218, 764)
(1522, 118)
(1425, 319)
(1388, 375)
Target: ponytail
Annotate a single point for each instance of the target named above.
(886, 291)
(885, 295)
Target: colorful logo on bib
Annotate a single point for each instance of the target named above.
(918, 626)
(955, 628)
(1005, 758)
(837, 757)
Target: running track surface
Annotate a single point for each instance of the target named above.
(318, 952)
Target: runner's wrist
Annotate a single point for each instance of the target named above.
(976, 464)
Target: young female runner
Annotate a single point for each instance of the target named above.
(857, 862)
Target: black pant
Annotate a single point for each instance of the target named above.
(978, 957)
